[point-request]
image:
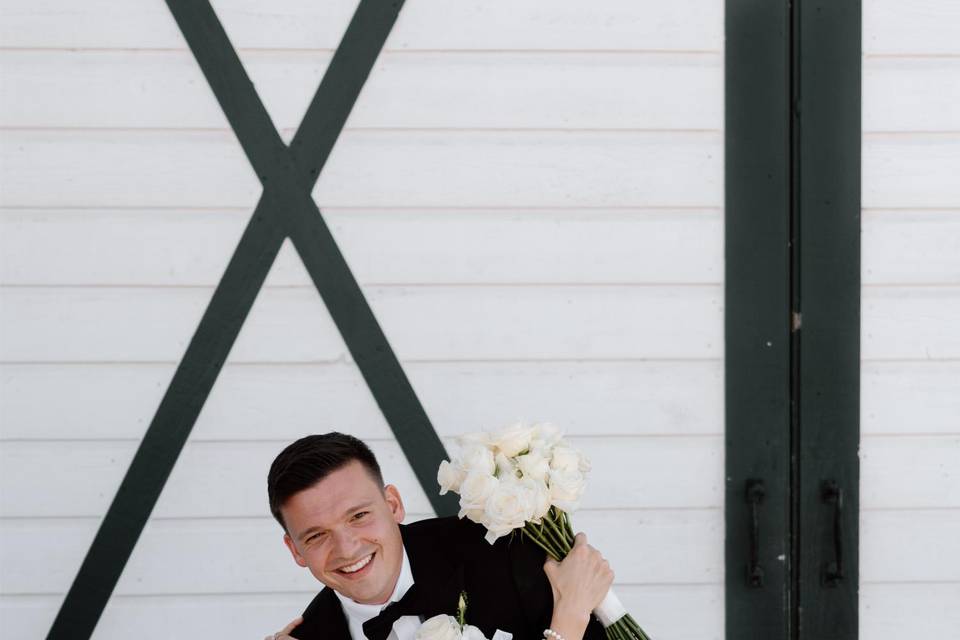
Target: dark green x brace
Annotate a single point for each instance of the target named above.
(286, 209)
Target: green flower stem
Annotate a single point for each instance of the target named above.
(551, 524)
(565, 518)
(554, 534)
(636, 628)
(547, 538)
(550, 552)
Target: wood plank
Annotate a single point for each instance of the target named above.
(196, 556)
(165, 89)
(428, 322)
(911, 170)
(387, 246)
(911, 94)
(904, 247)
(249, 402)
(926, 610)
(919, 27)
(220, 479)
(380, 168)
(931, 537)
(425, 24)
(910, 397)
(910, 322)
(910, 472)
(663, 610)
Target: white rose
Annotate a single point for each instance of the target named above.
(508, 508)
(566, 459)
(547, 433)
(477, 458)
(566, 488)
(475, 490)
(449, 477)
(533, 465)
(539, 494)
(506, 467)
(470, 632)
(441, 627)
(514, 439)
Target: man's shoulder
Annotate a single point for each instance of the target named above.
(323, 618)
(448, 532)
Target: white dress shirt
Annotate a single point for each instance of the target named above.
(405, 628)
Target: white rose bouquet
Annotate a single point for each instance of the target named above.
(444, 627)
(528, 478)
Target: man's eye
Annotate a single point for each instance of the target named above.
(361, 515)
(314, 537)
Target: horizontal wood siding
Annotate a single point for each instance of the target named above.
(529, 194)
(910, 402)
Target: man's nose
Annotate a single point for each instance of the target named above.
(347, 543)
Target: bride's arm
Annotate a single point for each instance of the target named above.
(579, 584)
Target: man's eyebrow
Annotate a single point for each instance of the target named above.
(313, 530)
(362, 505)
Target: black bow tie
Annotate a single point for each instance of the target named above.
(413, 603)
(432, 594)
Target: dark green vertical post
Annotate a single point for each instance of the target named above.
(757, 281)
(828, 48)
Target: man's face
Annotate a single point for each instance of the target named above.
(345, 530)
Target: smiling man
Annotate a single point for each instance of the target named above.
(382, 578)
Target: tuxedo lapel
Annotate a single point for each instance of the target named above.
(437, 570)
(324, 618)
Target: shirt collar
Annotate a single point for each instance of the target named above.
(362, 612)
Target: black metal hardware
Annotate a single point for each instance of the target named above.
(754, 494)
(831, 493)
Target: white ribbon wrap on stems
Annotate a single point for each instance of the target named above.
(610, 610)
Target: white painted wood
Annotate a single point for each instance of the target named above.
(389, 246)
(255, 615)
(919, 27)
(228, 479)
(911, 170)
(909, 546)
(903, 247)
(544, 244)
(910, 471)
(252, 402)
(909, 563)
(911, 94)
(423, 24)
(371, 169)
(926, 610)
(910, 397)
(202, 553)
(428, 322)
(165, 89)
(910, 322)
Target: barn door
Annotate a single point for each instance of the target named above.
(793, 299)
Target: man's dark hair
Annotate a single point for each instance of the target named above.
(309, 460)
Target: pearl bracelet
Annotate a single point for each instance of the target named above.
(550, 633)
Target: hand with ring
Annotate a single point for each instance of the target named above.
(284, 634)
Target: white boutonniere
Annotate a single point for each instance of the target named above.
(444, 627)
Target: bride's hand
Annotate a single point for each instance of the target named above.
(579, 584)
(284, 634)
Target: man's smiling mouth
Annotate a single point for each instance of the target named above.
(357, 566)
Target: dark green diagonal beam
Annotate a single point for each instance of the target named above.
(285, 209)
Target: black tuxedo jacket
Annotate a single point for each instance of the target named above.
(505, 583)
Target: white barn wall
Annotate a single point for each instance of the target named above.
(530, 195)
(910, 386)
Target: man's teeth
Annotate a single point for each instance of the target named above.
(353, 568)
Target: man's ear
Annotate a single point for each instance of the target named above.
(287, 540)
(392, 495)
